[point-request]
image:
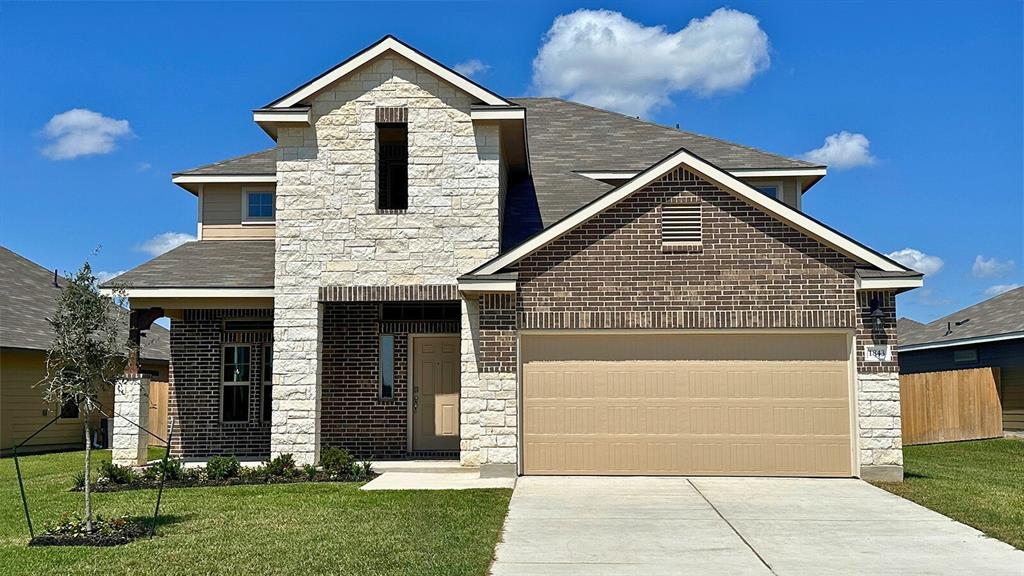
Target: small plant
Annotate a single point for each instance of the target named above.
(310, 471)
(172, 469)
(336, 461)
(283, 466)
(363, 470)
(72, 530)
(118, 474)
(79, 480)
(222, 468)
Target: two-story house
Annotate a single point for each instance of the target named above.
(422, 268)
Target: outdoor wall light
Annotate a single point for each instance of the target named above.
(877, 316)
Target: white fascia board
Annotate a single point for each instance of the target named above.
(224, 178)
(487, 286)
(282, 117)
(694, 164)
(961, 342)
(390, 44)
(498, 114)
(195, 292)
(889, 283)
(782, 172)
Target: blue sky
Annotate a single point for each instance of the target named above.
(934, 88)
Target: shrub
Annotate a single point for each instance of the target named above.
(118, 474)
(310, 471)
(363, 470)
(336, 461)
(79, 480)
(172, 469)
(282, 466)
(222, 467)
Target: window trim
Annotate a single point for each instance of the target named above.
(380, 366)
(263, 221)
(224, 385)
(266, 380)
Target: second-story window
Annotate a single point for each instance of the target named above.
(392, 166)
(259, 205)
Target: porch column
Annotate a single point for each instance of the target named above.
(489, 408)
(131, 410)
(295, 411)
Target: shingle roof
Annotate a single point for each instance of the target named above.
(263, 163)
(28, 297)
(1002, 314)
(207, 264)
(568, 137)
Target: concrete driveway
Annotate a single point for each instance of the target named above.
(734, 526)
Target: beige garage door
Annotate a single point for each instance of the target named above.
(769, 404)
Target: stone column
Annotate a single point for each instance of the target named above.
(880, 441)
(131, 410)
(295, 412)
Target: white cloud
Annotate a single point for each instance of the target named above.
(602, 58)
(81, 132)
(991, 267)
(917, 260)
(161, 243)
(843, 150)
(1000, 288)
(103, 276)
(471, 67)
(143, 167)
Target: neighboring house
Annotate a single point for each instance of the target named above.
(423, 268)
(28, 296)
(990, 333)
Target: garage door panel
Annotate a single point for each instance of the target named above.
(689, 416)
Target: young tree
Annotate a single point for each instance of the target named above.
(87, 356)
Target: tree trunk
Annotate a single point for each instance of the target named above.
(88, 480)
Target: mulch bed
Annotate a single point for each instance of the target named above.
(204, 483)
(132, 531)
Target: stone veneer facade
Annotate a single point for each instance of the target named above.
(751, 271)
(330, 233)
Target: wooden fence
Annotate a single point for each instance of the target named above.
(950, 405)
(157, 411)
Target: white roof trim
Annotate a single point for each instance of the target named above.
(888, 283)
(780, 172)
(961, 342)
(487, 285)
(196, 292)
(282, 116)
(714, 174)
(224, 178)
(739, 173)
(390, 43)
(498, 114)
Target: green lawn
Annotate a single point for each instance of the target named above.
(979, 483)
(280, 529)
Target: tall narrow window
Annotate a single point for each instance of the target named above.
(259, 206)
(387, 366)
(392, 166)
(235, 384)
(267, 377)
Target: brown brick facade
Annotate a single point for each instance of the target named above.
(750, 271)
(195, 387)
(497, 349)
(866, 334)
(352, 413)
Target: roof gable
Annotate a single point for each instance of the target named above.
(387, 44)
(715, 175)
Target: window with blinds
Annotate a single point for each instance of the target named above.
(680, 224)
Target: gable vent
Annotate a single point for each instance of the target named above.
(680, 223)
